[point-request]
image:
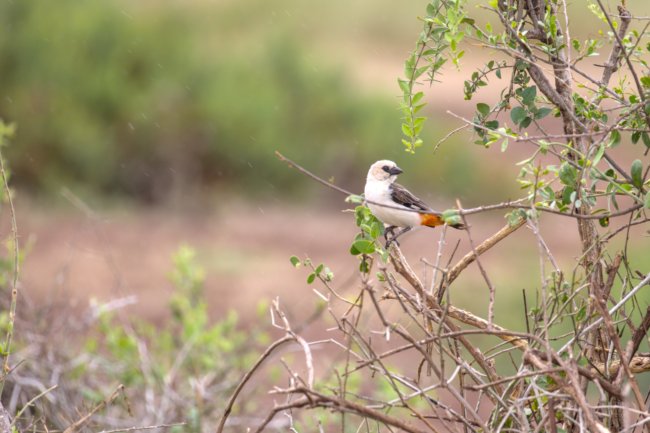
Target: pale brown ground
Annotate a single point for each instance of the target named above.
(245, 251)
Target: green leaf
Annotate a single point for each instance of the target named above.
(515, 217)
(354, 198)
(451, 217)
(646, 139)
(614, 138)
(416, 98)
(482, 108)
(542, 112)
(518, 114)
(295, 261)
(646, 202)
(419, 71)
(568, 174)
(504, 145)
(319, 269)
(576, 44)
(376, 229)
(637, 173)
(528, 95)
(645, 81)
(363, 246)
(364, 267)
(404, 85)
(599, 154)
(604, 221)
(311, 278)
(568, 193)
(418, 107)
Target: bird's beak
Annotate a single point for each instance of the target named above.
(395, 170)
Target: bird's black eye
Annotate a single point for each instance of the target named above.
(386, 169)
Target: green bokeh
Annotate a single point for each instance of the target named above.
(151, 102)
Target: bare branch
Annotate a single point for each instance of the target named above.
(269, 350)
(83, 420)
(484, 246)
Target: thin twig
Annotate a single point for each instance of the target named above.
(30, 402)
(149, 427)
(84, 419)
(505, 205)
(14, 281)
(484, 246)
(269, 350)
(491, 290)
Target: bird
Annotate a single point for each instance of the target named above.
(386, 198)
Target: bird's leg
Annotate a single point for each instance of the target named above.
(395, 236)
(387, 230)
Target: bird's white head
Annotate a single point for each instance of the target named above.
(384, 171)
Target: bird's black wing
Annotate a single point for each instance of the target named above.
(403, 196)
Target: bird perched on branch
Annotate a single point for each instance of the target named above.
(396, 206)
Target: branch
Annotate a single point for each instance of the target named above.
(505, 205)
(570, 385)
(316, 399)
(638, 364)
(5, 424)
(483, 247)
(625, 15)
(639, 334)
(148, 427)
(611, 311)
(615, 55)
(403, 268)
(246, 378)
(14, 281)
(590, 374)
(490, 328)
(84, 419)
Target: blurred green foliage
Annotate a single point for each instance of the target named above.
(192, 357)
(155, 101)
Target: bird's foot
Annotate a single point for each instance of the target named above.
(394, 236)
(391, 241)
(389, 230)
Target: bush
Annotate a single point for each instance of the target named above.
(177, 372)
(154, 102)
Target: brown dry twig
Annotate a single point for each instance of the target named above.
(84, 419)
(316, 399)
(402, 267)
(15, 270)
(231, 401)
(505, 205)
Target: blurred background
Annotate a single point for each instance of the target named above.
(143, 126)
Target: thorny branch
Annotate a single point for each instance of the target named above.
(510, 204)
(575, 366)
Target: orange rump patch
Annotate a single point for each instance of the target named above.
(430, 220)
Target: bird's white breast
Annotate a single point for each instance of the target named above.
(379, 192)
